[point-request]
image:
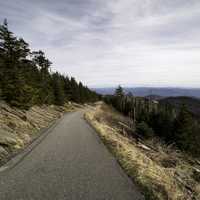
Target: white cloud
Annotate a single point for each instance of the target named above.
(131, 42)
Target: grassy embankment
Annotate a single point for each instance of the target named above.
(161, 171)
(19, 127)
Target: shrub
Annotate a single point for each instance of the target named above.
(143, 129)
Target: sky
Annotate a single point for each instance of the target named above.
(105, 43)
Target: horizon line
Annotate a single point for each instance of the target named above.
(170, 87)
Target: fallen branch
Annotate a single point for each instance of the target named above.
(144, 147)
(183, 183)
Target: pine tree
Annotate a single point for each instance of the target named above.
(58, 87)
(119, 92)
(25, 77)
(45, 88)
(184, 128)
(13, 51)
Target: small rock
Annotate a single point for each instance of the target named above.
(7, 138)
(3, 152)
(12, 125)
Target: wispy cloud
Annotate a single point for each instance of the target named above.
(131, 42)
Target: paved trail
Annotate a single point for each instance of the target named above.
(70, 163)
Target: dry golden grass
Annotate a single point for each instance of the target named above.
(19, 127)
(160, 170)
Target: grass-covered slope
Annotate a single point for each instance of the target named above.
(19, 127)
(160, 170)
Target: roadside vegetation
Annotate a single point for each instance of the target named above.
(18, 127)
(31, 95)
(162, 171)
(173, 124)
(26, 78)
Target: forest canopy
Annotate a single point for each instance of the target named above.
(26, 80)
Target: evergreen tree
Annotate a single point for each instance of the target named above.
(183, 128)
(174, 126)
(58, 87)
(13, 51)
(25, 77)
(119, 92)
(45, 87)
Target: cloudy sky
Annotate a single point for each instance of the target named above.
(111, 42)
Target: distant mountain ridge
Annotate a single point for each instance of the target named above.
(154, 97)
(157, 91)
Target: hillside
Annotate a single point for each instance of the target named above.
(173, 123)
(31, 95)
(193, 104)
(18, 127)
(161, 170)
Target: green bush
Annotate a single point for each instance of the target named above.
(143, 129)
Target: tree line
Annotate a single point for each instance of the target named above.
(26, 80)
(151, 118)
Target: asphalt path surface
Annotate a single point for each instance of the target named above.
(69, 162)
